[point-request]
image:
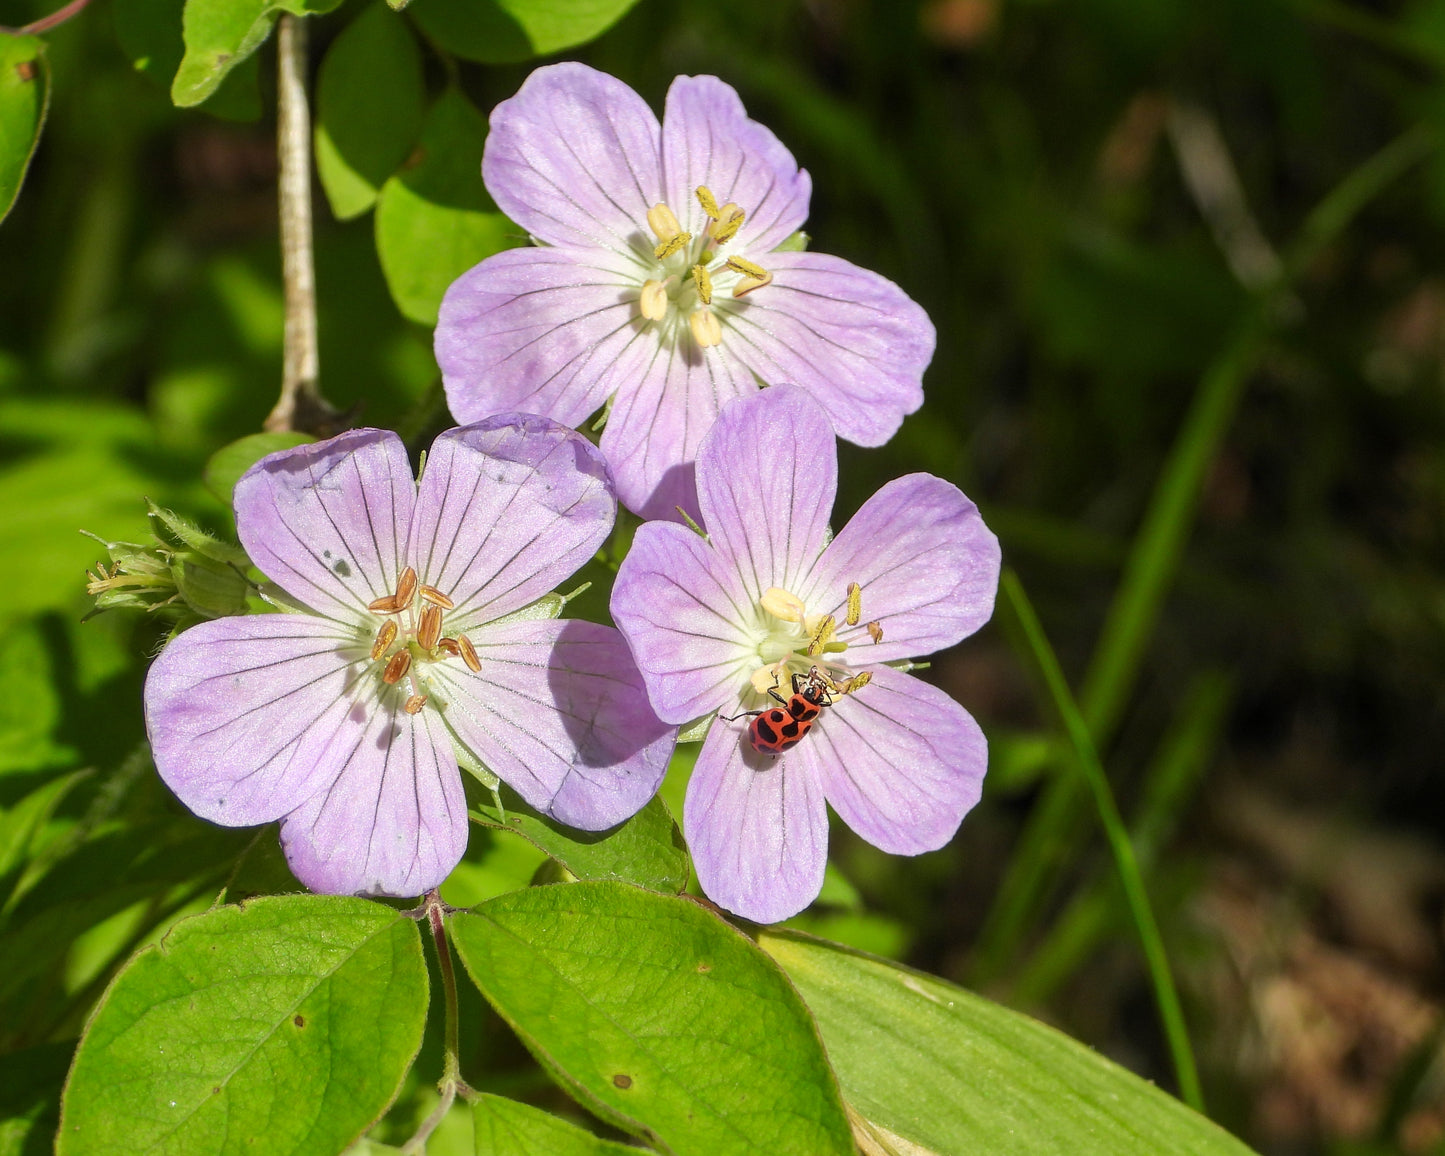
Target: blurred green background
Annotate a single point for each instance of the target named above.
(1112, 211)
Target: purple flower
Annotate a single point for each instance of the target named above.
(657, 281)
(718, 623)
(420, 634)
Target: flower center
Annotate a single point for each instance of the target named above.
(792, 641)
(691, 271)
(411, 636)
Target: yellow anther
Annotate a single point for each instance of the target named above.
(663, 222)
(405, 588)
(468, 652)
(857, 682)
(415, 703)
(667, 248)
(437, 598)
(396, 669)
(704, 283)
(823, 635)
(384, 638)
(726, 227)
(653, 302)
(855, 604)
(782, 604)
(875, 631)
(706, 330)
(449, 646)
(387, 605)
(747, 268)
(430, 628)
(708, 202)
(748, 284)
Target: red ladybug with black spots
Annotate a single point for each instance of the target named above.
(774, 730)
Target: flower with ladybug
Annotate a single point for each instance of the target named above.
(799, 643)
(420, 632)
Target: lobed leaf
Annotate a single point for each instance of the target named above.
(659, 1016)
(220, 34)
(284, 1026)
(949, 1072)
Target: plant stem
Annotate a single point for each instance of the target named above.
(1097, 783)
(46, 23)
(451, 1084)
(300, 406)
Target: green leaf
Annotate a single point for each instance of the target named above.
(24, 99)
(434, 220)
(507, 1128)
(149, 32)
(283, 1026)
(647, 849)
(955, 1074)
(220, 34)
(659, 1016)
(369, 98)
(504, 31)
(30, 1097)
(227, 464)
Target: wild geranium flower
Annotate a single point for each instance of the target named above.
(723, 623)
(421, 630)
(657, 281)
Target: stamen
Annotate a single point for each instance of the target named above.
(449, 646)
(653, 302)
(415, 703)
(667, 248)
(768, 678)
(704, 283)
(875, 631)
(726, 227)
(708, 202)
(469, 653)
(396, 669)
(437, 598)
(822, 636)
(747, 268)
(748, 284)
(384, 638)
(430, 628)
(387, 605)
(405, 588)
(663, 222)
(782, 604)
(857, 682)
(855, 604)
(706, 330)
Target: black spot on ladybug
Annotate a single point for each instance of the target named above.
(622, 1080)
(342, 568)
(765, 732)
(791, 731)
(299, 1021)
(786, 743)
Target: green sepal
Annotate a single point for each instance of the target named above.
(695, 731)
(794, 243)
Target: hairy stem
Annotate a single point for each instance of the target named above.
(451, 1084)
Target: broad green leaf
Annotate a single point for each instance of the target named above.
(369, 99)
(149, 32)
(954, 1074)
(227, 464)
(507, 1128)
(647, 849)
(220, 34)
(503, 31)
(434, 220)
(24, 98)
(282, 1026)
(659, 1016)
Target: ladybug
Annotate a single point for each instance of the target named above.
(774, 730)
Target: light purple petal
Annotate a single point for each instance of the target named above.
(328, 522)
(248, 716)
(559, 712)
(543, 331)
(927, 565)
(851, 338)
(686, 617)
(507, 508)
(900, 762)
(394, 819)
(766, 476)
(757, 827)
(574, 159)
(657, 424)
(707, 139)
